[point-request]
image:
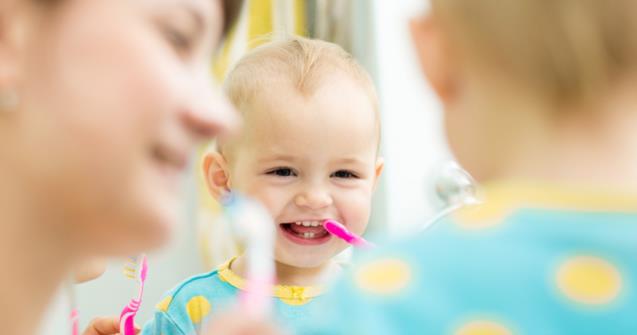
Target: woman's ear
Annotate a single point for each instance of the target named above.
(215, 169)
(434, 56)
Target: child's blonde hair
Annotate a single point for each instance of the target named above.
(564, 50)
(304, 62)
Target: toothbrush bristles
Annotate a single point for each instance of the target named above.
(130, 274)
(130, 270)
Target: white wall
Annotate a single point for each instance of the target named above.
(413, 141)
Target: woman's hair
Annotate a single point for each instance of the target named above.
(565, 50)
(231, 11)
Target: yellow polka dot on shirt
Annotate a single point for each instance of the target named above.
(589, 280)
(383, 277)
(483, 327)
(164, 304)
(482, 216)
(197, 307)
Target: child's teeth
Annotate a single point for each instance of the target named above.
(298, 223)
(315, 224)
(307, 223)
(308, 235)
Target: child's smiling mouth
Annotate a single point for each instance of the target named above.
(306, 232)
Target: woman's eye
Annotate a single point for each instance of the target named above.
(282, 172)
(178, 39)
(344, 174)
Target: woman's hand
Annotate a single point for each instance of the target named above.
(105, 326)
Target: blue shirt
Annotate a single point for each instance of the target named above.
(532, 259)
(185, 309)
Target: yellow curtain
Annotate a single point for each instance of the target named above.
(259, 19)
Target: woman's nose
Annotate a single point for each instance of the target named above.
(208, 113)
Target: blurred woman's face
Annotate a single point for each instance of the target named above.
(114, 95)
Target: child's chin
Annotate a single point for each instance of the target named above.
(307, 261)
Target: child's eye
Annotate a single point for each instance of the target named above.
(344, 174)
(282, 172)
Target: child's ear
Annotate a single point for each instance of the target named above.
(433, 53)
(215, 170)
(378, 171)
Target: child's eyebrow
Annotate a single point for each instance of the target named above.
(349, 160)
(277, 157)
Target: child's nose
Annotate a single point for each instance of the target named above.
(314, 199)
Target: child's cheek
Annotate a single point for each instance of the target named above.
(271, 196)
(355, 207)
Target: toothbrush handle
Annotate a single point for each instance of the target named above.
(362, 243)
(255, 300)
(75, 322)
(127, 317)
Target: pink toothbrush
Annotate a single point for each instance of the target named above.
(74, 316)
(75, 322)
(337, 229)
(137, 269)
(252, 223)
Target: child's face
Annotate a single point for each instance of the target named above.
(309, 159)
